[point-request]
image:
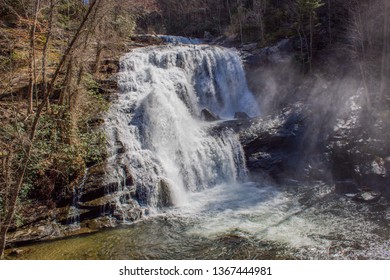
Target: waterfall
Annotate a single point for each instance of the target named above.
(74, 211)
(155, 130)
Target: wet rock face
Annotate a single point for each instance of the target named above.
(98, 203)
(359, 149)
(270, 143)
(208, 116)
(359, 194)
(241, 116)
(42, 230)
(346, 187)
(352, 152)
(95, 185)
(165, 198)
(368, 196)
(97, 197)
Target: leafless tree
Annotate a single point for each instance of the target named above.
(13, 193)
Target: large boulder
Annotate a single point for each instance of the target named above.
(270, 142)
(42, 230)
(346, 187)
(241, 116)
(208, 116)
(164, 194)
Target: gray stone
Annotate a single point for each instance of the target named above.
(208, 116)
(164, 194)
(241, 116)
(346, 187)
(368, 196)
(101, 223)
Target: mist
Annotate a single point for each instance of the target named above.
(345, 98)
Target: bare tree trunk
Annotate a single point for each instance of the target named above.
(362, 63)
(330, 21)
(3, 234)
(44, 53)
(99, 51)
(260, 8)
(13, 198)
(14, 194)
(262, 37)
(240, 8)
(62, 62)
(66, 84)
(305, 48)
(301, 48)
(311, 41)
(362, 66)
(32, 65)
(385, 49)
(229, 11)
(5, 161)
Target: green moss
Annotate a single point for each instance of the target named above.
(94, 143)
(19, 55)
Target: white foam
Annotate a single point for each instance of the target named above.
(157, 119)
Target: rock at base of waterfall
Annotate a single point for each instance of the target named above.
(127, 213)
(100, 223)
(118, 202)
(368, 196)
(357, 147)
(42, 230)
(241, 116)
(346, 187)
(120, 147)
(164, 195)
(208, 116)
(270, 142)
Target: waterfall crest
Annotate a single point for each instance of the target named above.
(155, 130)
(179, 40)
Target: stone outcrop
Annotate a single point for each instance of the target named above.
(359, 150)
(208, 116)
(241, 116)
(96, 204)
(270, 143)
(164, 194)
(346, 154)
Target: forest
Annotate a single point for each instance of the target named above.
(59, 64)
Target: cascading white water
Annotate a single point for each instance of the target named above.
(157, 123)
(74, 211)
